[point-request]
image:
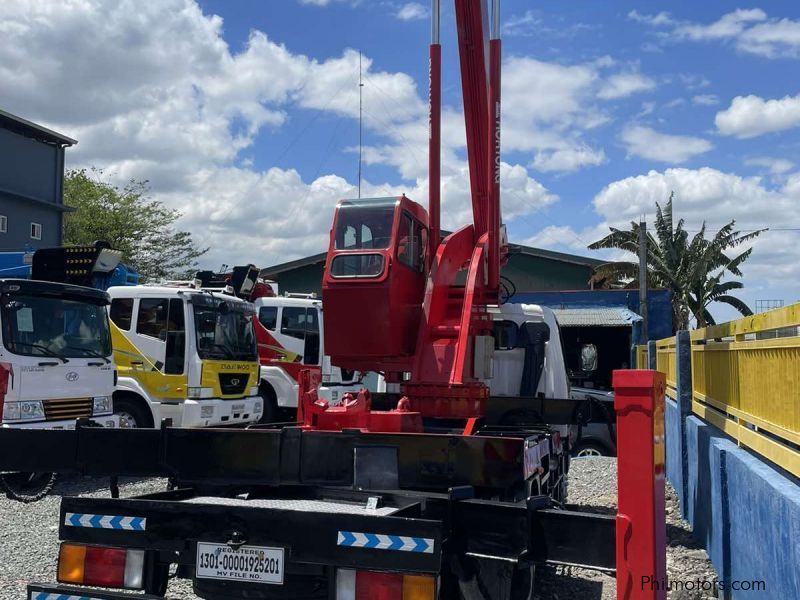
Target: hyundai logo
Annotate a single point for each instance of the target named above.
(234, 382)
(72, 376)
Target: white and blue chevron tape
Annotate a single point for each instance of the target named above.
(105, 522)
(51, 596)
(381, 541)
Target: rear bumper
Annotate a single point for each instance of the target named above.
(37, 591)
(105, 421)
(214, 412)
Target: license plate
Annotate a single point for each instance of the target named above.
(237, 407)
(253, 564)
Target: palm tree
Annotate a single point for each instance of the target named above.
(692, 269)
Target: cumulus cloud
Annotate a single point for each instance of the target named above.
(412, 11)
(749, 30)
(751, 116)
(188, 124)
(776, 166)
(569, 159)
(645, 142)
(705, 100)
(715, 197)
(625, 84)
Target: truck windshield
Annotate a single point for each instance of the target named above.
(49, 326)
(224, 329)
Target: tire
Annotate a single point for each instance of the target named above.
(27, 487)
(131, 413)
(590, 448)
(270, 414)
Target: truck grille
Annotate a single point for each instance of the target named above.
(232, 383)
(67, 408)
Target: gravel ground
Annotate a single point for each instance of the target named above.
(29, 538)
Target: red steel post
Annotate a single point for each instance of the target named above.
(434, 134)
(641, 526)
(493, 146)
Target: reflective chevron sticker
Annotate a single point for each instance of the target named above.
(105, 522)
(49, 596)
(380, 541)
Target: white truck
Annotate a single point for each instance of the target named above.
(184, 353)
(55, 352)
(290, 337)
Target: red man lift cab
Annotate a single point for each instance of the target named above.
(374, 282)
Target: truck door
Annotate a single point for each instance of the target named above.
(158, 336)
(302, 323)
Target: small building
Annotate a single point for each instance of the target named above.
(527, 269)
(31, 184)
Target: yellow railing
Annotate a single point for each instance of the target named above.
(665, 362)
(746, 381)
(641, 356)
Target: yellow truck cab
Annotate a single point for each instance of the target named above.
(183, 353)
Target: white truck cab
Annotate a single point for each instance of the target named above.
(290, 337)
(183, 353)
(55, 355)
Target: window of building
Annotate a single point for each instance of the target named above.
(36, 231)
(121, 312)
(3, 224)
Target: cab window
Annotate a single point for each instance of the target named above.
(303, 324)
(121, 312)
(268, 317)
(411, 241)
(151, 320)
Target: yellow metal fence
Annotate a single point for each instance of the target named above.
(746, 381)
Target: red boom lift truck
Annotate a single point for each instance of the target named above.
(449, 492)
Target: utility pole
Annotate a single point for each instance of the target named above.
(643, 277)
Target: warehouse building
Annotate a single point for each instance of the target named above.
(31, 184)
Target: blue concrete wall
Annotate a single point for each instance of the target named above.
(674, 443)
(745, 512)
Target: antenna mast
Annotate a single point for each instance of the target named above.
(360, 87)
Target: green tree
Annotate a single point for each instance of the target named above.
(693, 268)
(140, 227)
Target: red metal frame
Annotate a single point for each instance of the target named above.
(641, 525)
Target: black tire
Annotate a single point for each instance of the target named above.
(131, 412)
(27, 487)
(270, 414)
(588, 448)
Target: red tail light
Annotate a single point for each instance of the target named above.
(101, 566)
(6, 373)
(378, 586)
(372, 585)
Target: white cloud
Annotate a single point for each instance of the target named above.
(625, 84)
(647, 143)
(716, 197)
(749, 30)
(521, 25)
(660, 20)
(751, 116)
(189, 125)
(776, 166)
(569, 159)
(412, 11)
(705, 100)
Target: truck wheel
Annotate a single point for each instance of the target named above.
(130, 413)
(27, 487)
(588, 448)
(270, 414)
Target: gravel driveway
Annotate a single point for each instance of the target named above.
(29, 538)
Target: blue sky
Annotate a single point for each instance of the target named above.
(244, 114)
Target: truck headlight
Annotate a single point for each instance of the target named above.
(254, 390)
(29, 410)
(102, 405)
(199, 392)
(258, 408)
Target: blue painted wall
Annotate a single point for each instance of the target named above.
(745, 512)
(659, 304)
(674, 443)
